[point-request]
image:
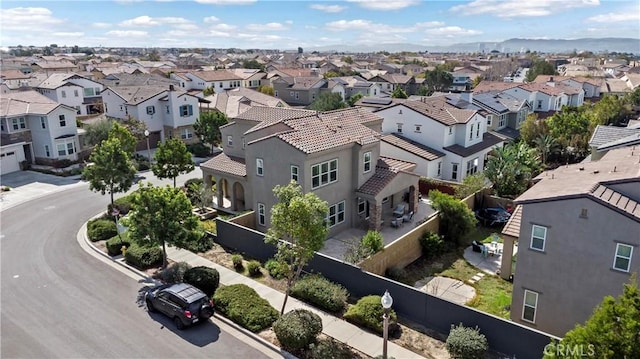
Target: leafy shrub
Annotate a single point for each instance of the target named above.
(62, 163)
(143, 257)
(122, 204)
(373, 241)
(329, 348)
(253, 267)
(456, 219)
(142, 163)
(277, 270)
(297, 329)
(189, 186)
(101, 229)
(175, 272)
(199, 149)
(466, 343)
(396, 273)
(206, 279)
(115, 243)
(368, 311)
(198, 242)
(236, 259)
(243, 305)
(209, 225)
(432, 244)
(321, 292)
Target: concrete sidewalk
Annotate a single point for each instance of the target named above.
(339, 329)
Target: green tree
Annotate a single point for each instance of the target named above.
(111, 169)
(438, 80)
(298, 229)
(540, 67)
(172, 159)
(424, 91)
(207, 127)
(399, 93)
(612, 331)
(532, 128)
(353, 99)
(456, 219)
(135, 127)
(633, 98)
(267, 90)
(208, 91)
(476, 81)
(470, 185)
(328, 101)
(127, 140)
(609, 110)
(98, 131)
(511, 168)
(161, 215)
(347, 59)
(154, 55)
(571, 129)
(546, 145)
(252, 64)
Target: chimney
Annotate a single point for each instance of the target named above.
(171, 88)
(550, 82)
(467, 96)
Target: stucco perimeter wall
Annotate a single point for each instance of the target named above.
(246, 220)
(401, 252)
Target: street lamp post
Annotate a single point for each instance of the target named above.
(386, 301)
(146, 134)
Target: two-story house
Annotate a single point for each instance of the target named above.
(73, 90)
(505, 113)
(389, 82)
(218, 80)
(35, 129)
(298, 91)
(167, 112)
(335, 154)
(579, 238)
(435, 122)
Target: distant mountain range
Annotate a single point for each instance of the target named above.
(612, 44)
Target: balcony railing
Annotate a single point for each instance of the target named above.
(16, 137)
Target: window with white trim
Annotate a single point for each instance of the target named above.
(324, 173)
(622, 260)
(43, 122)
(489, 120)
(529, 306)
(261, 214)
(18, 123)
(399, 128)
(454, 171)
(168, 109)
(295, 172)
(439, 169)
(186, 110)
(418, 127)
(539, 103)
(362, 205)
(478, 130)
(336, 214)
(88, 92)
(151, 110)
(230, 141)
(471, 133)
(63, 120)
(259, 167)
(47, 151)
(450, 130)
(538, 237)
(244, 143)
(64, 94)
(66, 148)
(472, 166)
(367, 161)
(503, 121)
(186, 133)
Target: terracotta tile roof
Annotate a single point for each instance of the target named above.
(136, 94)
(55, 64)
(216, 75)
(397, 78)
(618, 200)
(55, 80)
(493, 86)
(305, 83)
(488, 140)
(512, 228)
(266, 116)
(587, 179)
(227, 164)
(411, 146)
(13, 74)
(438, 109)
(386, 170)
(25, 102)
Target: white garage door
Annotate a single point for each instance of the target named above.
(9, 162)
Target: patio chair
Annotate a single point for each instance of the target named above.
(477, 246)
(407, 217)
(396, 222)
(399, 211)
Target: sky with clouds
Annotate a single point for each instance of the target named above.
(269, 24)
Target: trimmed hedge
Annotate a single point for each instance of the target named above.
(206, 279)
(123, 204)
(174, 273)
(321, 292)
(243, 305)
(277, 270)
(432, 244)
(367, 312)
(236, 259)
(143, 257)
(466, 343)
(253, 267)
(101, 229)
(330, 348)
(297, 329)
(115, 243)
(199, 149)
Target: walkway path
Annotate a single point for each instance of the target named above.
(450, 289)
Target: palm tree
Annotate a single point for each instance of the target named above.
(546, 145)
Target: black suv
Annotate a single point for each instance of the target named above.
(184, 303)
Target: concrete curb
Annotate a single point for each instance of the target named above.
(85, 243)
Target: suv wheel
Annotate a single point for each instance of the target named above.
(150, 306)
(206, 311)
(179, 323)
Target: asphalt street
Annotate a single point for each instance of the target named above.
(59, 302)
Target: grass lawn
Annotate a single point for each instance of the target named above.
(493, 294)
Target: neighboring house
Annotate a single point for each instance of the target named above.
(606, 138)
(251, 78)
(590, 86)
(236, 101)
(354, 85)
(15, 79)
(435, 122)
(74, 91)
(542, 97)
(389, 82)
(334, 154)
(49, 67)
(218, 80)
(505, 113)
(167, 112)
(298, 91)
(578, 234)
(463, 77)
(428, 161)
(35, 129)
